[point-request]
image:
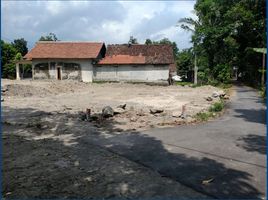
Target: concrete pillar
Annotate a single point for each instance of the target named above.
(33, 71)
(17, 71)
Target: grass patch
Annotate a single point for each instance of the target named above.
(215, 108)
(183, 83)
(99, 82)
(203, 116)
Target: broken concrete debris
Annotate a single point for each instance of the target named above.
(209, 99)
(220, 94)
(122, 106)
(118, 110)
(107, 111)
(155, 111)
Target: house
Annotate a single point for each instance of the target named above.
(135, 62)
(65, 60)
(89, 61)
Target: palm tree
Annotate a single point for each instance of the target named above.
(189, 24)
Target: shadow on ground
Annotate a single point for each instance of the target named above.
(253, 143)
(252, 115)
(31, 169)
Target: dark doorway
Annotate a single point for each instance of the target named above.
(59, 73)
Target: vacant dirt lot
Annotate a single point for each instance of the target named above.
(46, 144)
(72, 97)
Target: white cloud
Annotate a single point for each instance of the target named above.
(108, 21)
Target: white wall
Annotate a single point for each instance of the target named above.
(131, 72)
(86, 68)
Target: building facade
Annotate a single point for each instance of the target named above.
(89, 61)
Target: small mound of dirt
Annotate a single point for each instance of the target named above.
(24, 90)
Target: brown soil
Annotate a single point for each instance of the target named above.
(46, 146)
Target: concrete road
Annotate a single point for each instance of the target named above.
(224, 158)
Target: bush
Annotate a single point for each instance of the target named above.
(202, 77)
(203, 116)
(216, 107)
(9, 71)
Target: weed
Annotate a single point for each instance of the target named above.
(183, 83)
(203, 116)
(217, 107)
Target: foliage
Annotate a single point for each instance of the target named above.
(148, 41)
(217, 107)
(165, 41)
(202, 77)
(203, 116)
(20, 45)
(18, 57)
(185, 60)
(8, 53)
(133, 40)
(222, 35)
(49, 37)
(9, 71)
(263, 92)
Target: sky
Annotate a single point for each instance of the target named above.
(112, 22)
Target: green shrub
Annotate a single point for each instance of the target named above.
(216, 107)
(9, 71)
(203, 116)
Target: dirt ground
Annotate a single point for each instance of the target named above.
(46, 145)
(72, 97)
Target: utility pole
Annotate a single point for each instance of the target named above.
(195, 69)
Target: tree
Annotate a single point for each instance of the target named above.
(8, 53)
(20, 45)
(132, 40)
(223, 33)
(165, 41)
(148, 41)
(49, 37)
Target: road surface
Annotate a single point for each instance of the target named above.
(223, 158)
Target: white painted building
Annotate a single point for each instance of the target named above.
(89, 61)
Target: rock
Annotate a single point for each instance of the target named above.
(133, 119)
(226, 97)
(182, 116)
(218, 94)
(119, 110)
(140, 113)
(122, 106)
(2, 99)
(155, 111)
(76, 163)
(209, 99)
(107, 112)
(215, 94)
(176, 114)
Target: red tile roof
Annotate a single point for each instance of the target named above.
(138, 54)
(58, 49)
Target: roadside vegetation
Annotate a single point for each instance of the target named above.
(213, 111)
